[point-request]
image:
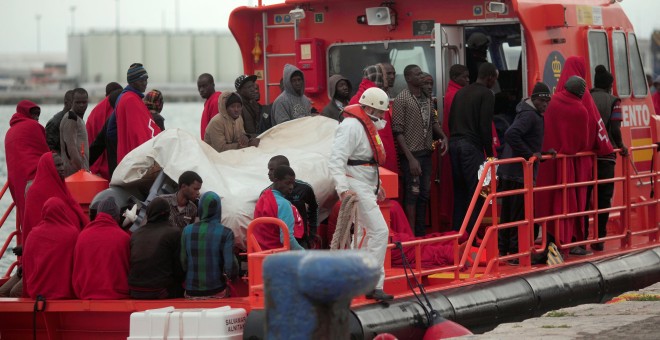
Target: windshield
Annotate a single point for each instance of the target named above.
(350, 59)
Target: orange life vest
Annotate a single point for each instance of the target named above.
(355, 111)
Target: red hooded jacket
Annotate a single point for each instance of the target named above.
(25, 142)
(48, 253)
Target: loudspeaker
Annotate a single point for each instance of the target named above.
(378, 16)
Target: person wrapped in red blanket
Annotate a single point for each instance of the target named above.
(48, 254)
(102, 245)
(572, 125)
(48, 183)
(25, 142)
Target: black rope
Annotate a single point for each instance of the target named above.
(429, 312)
(39, 306)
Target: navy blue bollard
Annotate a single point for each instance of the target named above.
(308, 294)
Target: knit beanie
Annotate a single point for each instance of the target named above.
(109, 206)
(154, 100)
(602, 79)
(233, 98)
(373, 73)
(576, 86)
(136, 72)
(541, 90)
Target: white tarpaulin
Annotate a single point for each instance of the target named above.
(239, 176)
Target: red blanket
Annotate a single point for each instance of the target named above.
(101, 258)
(47, 183)
(566, 121)
(601, 145)
(95, 123)
(134, 124)
(570, 128)
(433, 255)
(25, 142)
(386, 135)
(210, 110)
(48, 253)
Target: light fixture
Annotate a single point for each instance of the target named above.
(297, 13)
(496, 7)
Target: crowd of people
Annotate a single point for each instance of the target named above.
(184, 250)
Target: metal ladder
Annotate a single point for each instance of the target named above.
(267, 56)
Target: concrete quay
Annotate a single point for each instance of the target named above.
(633, 315)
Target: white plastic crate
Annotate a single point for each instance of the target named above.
(223, 323)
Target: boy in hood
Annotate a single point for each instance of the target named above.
(225, 130)
(340, 90)
(292, 103)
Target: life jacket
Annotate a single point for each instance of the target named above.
(355, 111)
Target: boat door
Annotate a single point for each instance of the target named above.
(449, 50)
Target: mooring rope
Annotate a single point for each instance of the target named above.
(342, 236)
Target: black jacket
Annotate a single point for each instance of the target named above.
(523, 138)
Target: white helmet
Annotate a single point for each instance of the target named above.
(375, 98)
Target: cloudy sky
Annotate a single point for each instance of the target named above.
(18, 18)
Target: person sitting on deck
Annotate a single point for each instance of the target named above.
(226, 131)
(303, 198)
(48, 254)
(273, 203)
(155, 267)
(101, 257)
(183, 210)
(207, 252)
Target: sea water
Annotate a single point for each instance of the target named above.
(184, 116)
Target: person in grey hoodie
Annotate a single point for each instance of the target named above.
(292, 103)
(339, 89)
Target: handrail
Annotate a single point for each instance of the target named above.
(16, 233)
(256, 255)
(526, 246)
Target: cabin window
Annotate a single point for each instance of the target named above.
(598, 51)
(636, 68)
(620, 49)
(512, 55)
(350, 59)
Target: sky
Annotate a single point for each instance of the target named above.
(18, 18)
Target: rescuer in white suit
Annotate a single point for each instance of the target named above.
(356, 153)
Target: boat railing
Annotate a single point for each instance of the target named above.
(16, 233)
(256, 256)
(645, 209)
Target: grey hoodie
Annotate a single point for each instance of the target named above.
(332, 110)
(289, 105)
